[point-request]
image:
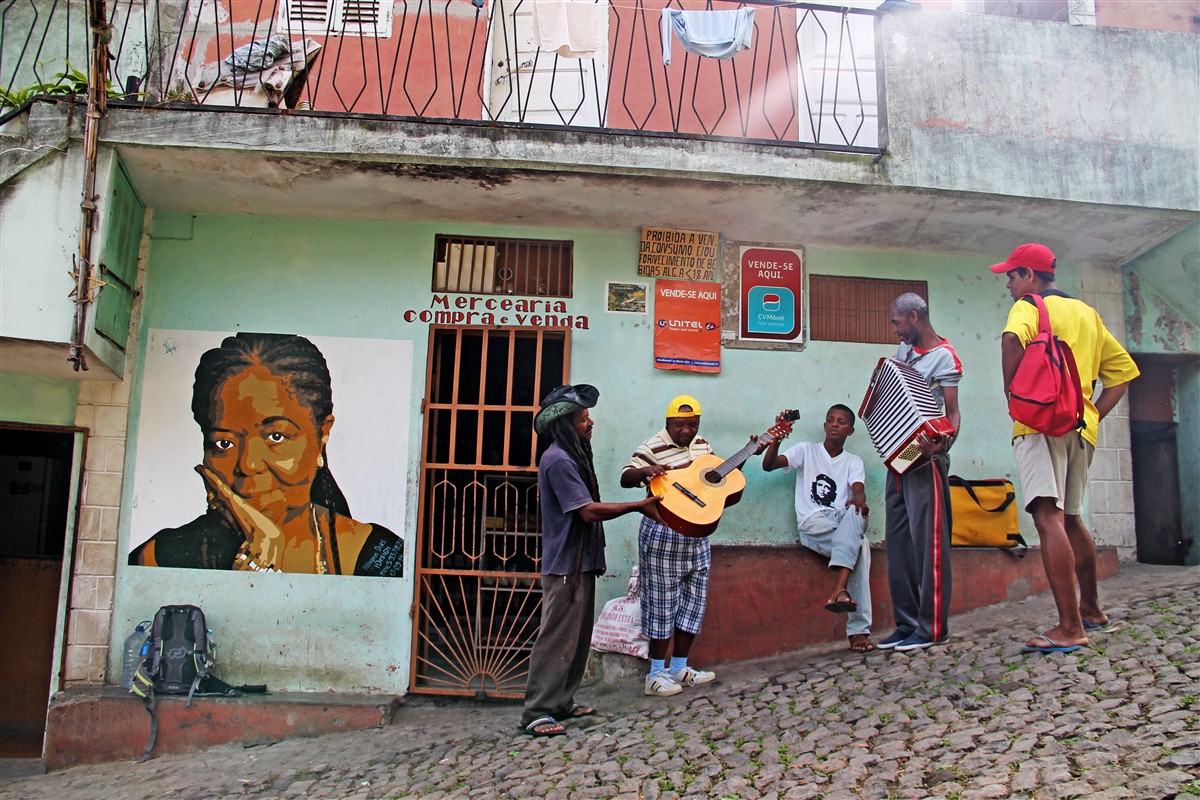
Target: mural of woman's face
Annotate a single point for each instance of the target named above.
(264, 443)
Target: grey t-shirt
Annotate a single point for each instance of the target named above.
(939, 364)
(562, 492)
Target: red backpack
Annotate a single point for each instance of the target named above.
(1046, 393)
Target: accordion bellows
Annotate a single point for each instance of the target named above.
(898, 407)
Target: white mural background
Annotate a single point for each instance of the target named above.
(368, 445)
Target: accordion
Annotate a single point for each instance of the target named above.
(898, 407)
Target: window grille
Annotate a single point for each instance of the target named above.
(475, 265)
(855, 309)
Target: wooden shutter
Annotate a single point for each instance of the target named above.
(369, 18)
(855, 309)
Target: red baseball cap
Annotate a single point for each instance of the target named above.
(1036, 257)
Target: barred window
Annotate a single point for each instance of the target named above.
(503, 266)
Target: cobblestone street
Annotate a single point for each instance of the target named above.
(972, 719)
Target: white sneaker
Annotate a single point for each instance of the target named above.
(661, 685)
(690, 676)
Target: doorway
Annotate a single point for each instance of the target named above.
(1161, 535)
(528, 84)
(38, 470)
(478, 593)
(838, 89)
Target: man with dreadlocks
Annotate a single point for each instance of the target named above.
(572, 557)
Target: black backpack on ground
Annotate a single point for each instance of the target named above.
(178, 659)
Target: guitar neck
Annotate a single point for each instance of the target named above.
(742, 456)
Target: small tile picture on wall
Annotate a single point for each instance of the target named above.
(626, 298)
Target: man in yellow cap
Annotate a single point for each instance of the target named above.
(673, 567)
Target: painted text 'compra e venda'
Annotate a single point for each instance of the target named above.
(475, 310)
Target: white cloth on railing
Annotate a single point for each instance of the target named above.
(259, 54)
(714, 34)
(571, 28)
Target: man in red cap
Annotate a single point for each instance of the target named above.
(1053, 470)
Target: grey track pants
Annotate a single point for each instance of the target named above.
(918, 548)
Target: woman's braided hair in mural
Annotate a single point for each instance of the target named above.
(562, 430)
(299, 365)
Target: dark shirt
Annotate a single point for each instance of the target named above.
(563, 492)
(208, 543)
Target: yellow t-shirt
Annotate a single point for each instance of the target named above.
(1097, 354)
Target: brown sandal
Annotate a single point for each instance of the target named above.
(861, 643)
(842, 603)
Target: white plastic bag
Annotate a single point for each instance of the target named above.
(619, 629)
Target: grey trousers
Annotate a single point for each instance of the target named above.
(918, 548)
(846, 546)
(560, 652)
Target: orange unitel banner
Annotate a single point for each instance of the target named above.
(687, 326)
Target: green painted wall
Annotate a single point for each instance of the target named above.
(357, 278)
(1162, 296)
(35, 400)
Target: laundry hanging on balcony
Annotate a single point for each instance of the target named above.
(266, 73)
(259, 54)
(714, 34)
(571, 28)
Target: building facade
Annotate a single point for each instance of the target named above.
(459, 220)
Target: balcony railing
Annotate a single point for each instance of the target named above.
(808, 79)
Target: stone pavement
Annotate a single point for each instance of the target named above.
(972, 719)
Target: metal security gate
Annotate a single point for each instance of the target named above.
(478, 597)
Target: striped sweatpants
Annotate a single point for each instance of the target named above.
(918, 548)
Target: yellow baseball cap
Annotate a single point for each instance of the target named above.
(673, 409)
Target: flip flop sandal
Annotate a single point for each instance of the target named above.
(578, 711)
(1051, 646)
(840, 606)
(544, 726)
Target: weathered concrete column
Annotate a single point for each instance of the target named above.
(104, 410)
(1110, 482)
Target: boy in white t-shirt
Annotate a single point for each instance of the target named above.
(831, 516)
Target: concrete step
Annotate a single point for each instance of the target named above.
(97, 724)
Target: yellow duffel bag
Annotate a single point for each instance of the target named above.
(985, 514)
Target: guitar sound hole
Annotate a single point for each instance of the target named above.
(713, 477)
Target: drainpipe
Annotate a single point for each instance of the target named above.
(97, 99)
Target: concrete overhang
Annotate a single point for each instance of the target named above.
(279, 164)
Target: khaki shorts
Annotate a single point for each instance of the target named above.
(1053, 467)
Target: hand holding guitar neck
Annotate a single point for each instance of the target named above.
(783, 422)
(694, 497)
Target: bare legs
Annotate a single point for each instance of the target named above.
(1084, 549)
(1069, 558)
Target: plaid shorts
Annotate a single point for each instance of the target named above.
(674, 579)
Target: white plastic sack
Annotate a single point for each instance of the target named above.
(619, 629)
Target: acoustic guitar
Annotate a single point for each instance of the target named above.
(694, 497)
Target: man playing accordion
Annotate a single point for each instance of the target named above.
(918, 501)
